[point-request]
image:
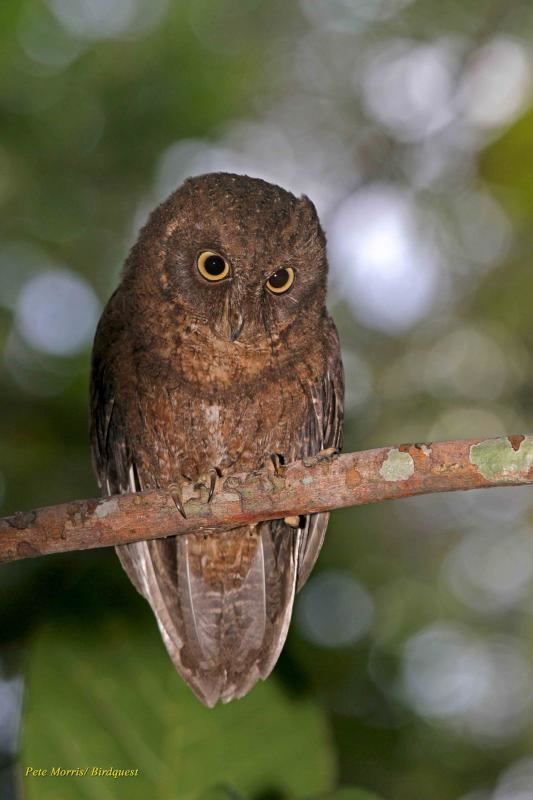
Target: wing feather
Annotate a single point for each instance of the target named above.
(324, 430)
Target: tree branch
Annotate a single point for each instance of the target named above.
(305, 486)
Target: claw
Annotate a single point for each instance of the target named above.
(175, 493)
(279, 464)
(214, 473)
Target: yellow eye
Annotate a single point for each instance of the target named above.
(211, 266)
(281, 280)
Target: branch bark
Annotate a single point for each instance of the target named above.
(305, 486)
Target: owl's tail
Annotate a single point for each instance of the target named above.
(223, 602)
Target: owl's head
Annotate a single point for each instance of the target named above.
(237, 254)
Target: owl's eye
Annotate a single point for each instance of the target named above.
(281, 280)
(211, 266)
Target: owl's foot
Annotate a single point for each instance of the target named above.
(278, 464)
(324, 455)
(208, 484)
(328, 454)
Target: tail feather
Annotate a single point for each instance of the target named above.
(223, 602)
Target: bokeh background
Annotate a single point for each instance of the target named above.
(408, 669)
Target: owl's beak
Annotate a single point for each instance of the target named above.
(230, 324)
(236, 327)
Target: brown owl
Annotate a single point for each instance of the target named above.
(215, 353)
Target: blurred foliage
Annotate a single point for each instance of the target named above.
(117, 703)
(410, 125)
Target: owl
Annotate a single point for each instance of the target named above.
(216, 354)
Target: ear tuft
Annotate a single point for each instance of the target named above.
(308, 208)
(308, 218)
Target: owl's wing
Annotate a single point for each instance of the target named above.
(111, 457)
(323, 430)
(113, 460)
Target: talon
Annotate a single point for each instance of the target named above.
(279, 464)
(214, 473)
(176, 497)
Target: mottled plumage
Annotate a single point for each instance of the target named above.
(193, 372)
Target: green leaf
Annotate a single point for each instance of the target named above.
(221, 793)
(350, 793)
(110, 698)
(505, 165)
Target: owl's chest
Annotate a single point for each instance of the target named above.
(195, 427)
